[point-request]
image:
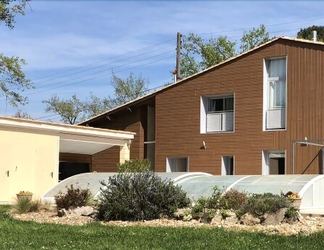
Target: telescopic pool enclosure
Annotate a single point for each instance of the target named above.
(198, 184)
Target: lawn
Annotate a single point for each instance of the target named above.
(16, 234)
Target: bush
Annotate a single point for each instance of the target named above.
(135, 165)
(139, 196)
(233, 199)
(260, 204)
(74, 197)
(208, 205)
(23, 205)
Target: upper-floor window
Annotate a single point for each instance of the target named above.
(275, 93)
(217, 114)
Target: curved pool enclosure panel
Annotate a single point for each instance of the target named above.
(85, 180)
(198, 184)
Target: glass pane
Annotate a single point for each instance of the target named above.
(277, 68)
(229, 104)
(212, 105)
(277, 94)
(219, 104)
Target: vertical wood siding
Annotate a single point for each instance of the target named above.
(178, 113)
(107, 160)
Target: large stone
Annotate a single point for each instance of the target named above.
(217, 220)
(62, 212)
(276, 218)
(231, 218)
(79, 211)
(249, 220)
(83, 211)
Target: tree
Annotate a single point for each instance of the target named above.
(307, 33)
(21, 114)
(95, 106)
(74, 110)
(70, 110)
(12, 78)
(8, 11)
(126, 89)
(198, 55)
(254, 38)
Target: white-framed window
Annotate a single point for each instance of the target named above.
(217, 114)
(227, 165)
(275, 93)
(273, 162)
(177, 164)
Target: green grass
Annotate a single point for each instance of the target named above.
(24, 235)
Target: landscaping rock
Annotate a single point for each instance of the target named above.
(231, 218)
(217, 220)
(275, 219)
(249, 220)
(79, 211)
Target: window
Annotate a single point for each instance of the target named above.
(175, 164)
(149, 135)
(275, 93)
(217, 114)
(227, 165)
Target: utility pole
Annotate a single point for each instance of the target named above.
(177, 75)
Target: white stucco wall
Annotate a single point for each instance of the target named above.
(28, 162)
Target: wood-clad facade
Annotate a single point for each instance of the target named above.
(247, 146)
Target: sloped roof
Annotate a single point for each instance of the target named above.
(152, 94)
(72, 138)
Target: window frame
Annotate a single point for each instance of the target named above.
(205, 110)
(270, 107)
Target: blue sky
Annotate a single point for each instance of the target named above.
(71, 47)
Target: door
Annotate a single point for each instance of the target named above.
(6, 173)
(274, 162)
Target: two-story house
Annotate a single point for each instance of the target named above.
(257, 113)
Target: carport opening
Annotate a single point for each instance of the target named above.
(68, 169)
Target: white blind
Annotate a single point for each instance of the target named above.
(276, 118)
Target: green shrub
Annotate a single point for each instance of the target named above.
(23, 205)
(260, 204)
(35, 206)
(208, 205)
(72, 198)
(139, 196)
(233, 199)
(134, 165)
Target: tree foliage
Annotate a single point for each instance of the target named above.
(127, 89)
(307, 33)
(9, 9)
(12, 78)
(74, 110)
(22, 114)
(254, 38)
(198, 54)
(95, 106)
(70, 110)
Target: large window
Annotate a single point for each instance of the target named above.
(217, 114)
(275, 93)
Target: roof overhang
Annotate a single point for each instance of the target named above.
(73, 139)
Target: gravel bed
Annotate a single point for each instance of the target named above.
(305, 226)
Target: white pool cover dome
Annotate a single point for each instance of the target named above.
(198, 184)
